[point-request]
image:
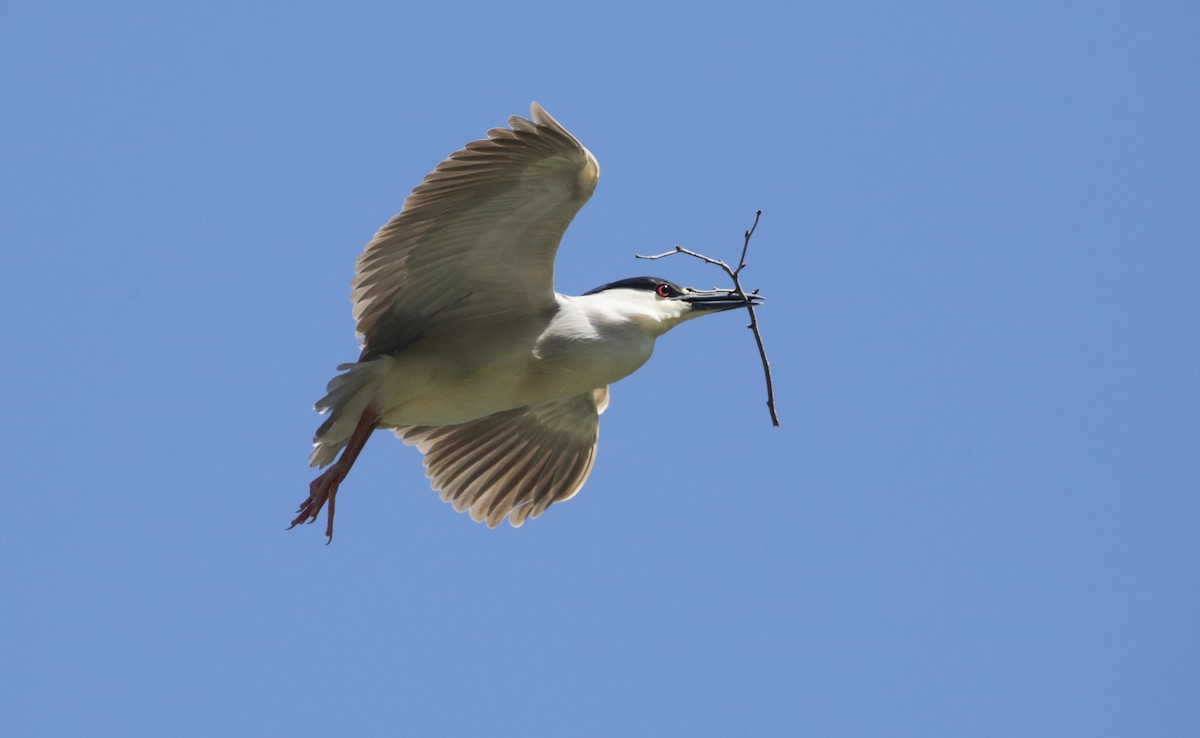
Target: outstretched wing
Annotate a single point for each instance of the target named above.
(515, 463)
(477, 237)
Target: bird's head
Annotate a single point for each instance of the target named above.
(659, 305)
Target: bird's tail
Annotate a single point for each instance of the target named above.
(345, 401)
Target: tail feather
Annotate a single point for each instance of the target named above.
(344, 400)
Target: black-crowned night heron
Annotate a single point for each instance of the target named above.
(469, 354)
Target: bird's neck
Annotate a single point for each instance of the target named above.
(591, 337)
(618, 312)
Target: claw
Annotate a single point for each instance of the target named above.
(323, 489)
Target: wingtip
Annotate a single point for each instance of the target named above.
(591, 173)
(542, 118)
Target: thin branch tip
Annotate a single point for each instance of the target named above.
(741, 292)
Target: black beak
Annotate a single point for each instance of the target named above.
(717, 300)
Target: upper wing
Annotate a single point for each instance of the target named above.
(477, 237)
(515, 463)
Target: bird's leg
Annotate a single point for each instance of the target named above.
(324, 488)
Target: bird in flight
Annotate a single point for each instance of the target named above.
(468, 352)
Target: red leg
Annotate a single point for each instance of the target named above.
(324, 488)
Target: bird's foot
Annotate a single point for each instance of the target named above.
(323, 489)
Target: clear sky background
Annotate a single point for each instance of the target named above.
(981, 247)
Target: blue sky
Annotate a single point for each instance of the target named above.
(980, 243)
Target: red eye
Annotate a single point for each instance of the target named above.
(663, 290)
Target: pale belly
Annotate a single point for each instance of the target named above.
(448, 384)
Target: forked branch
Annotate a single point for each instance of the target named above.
(734, 274)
